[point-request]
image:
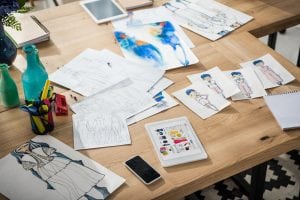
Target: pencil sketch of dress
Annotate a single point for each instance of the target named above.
(268, 72)
(242, 84)
(71, 179)
(201, 99)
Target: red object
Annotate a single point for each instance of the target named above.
(60, 106)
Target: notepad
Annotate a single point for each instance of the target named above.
(285, 108)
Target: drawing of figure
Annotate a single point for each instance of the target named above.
(268, 72)
(142, 49)
(242, 84)
(132, 21)
(71, 179)
(212, 84)
(165, 32)
(201, 99)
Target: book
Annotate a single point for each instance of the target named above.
(175, 141)
(132, 4)
(285, 108)
(33, 31)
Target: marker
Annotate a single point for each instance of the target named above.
(45, 90)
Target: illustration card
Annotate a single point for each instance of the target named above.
(248, 83)
(156, 44)
(151, 15)
(201, 99)
(45, 168)
(269, 71)
(175, 141)
(216, 80)
(208, 18)
(164, 102)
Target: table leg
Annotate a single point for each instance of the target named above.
(298, 62)
(272, 40)
(55, 3)
(258, 180)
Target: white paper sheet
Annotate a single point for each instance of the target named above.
(96, 130)
(124, 99)
(208, 18)
(161, 85)
(269, 71)
(247, 82)
(216, 80)
(151, 15)
(165, 102)
(155, 44)
(94, 71)
(201, 99)
(45, 168)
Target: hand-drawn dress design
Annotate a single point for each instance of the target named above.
(212, 84)
(71, 179)
(242, 84)
(201, 99)
(268, 72)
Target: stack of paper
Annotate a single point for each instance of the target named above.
(33, 31)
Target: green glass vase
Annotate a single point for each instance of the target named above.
(8, 90)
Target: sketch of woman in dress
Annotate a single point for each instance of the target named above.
(71, 179)
(268, 72)
(201, 99)
(242, 84)
(212, 84)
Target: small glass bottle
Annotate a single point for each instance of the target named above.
(35, 76)
(8, 89)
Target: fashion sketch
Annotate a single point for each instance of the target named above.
(242, 84)
(201, 99)
(268, 72)
(71, 179)
(212, 84)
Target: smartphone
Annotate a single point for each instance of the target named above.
(142, 170)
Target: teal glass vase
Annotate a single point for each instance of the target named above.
(35, 76)
(8, 90)
(8, 50)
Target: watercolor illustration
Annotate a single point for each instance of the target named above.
(268, 72)
(156, 44)
(71, 179)
(140, 48)
(201, 99)
(212, 84)
(242, 84)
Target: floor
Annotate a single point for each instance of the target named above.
(283, 175)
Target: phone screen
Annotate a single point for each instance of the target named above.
(142, 169)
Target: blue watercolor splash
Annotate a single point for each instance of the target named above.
(140, 48)
(167, 36)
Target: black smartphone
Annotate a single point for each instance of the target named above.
(142, 170)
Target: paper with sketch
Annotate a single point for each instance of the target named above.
(151, 15)
(155, 44)
(124, 99)
(161, 85)
(164, 102)
(87, 74)
(248, 83)
(45, 168)
(216, 80)
(94, 130)
(269, 71)
(208, 18)
(93, 71)
(201, 100)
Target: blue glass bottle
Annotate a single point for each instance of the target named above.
(34, 77)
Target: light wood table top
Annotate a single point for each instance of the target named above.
(233, 138)
(239, 137)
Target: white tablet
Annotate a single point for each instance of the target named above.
(103, 10)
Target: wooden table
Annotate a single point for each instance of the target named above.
(238, 138)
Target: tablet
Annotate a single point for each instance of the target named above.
(103, 10)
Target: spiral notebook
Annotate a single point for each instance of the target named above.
(285, 108)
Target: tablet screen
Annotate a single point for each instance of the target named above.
(103, 9)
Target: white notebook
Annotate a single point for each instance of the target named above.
(285, 108)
